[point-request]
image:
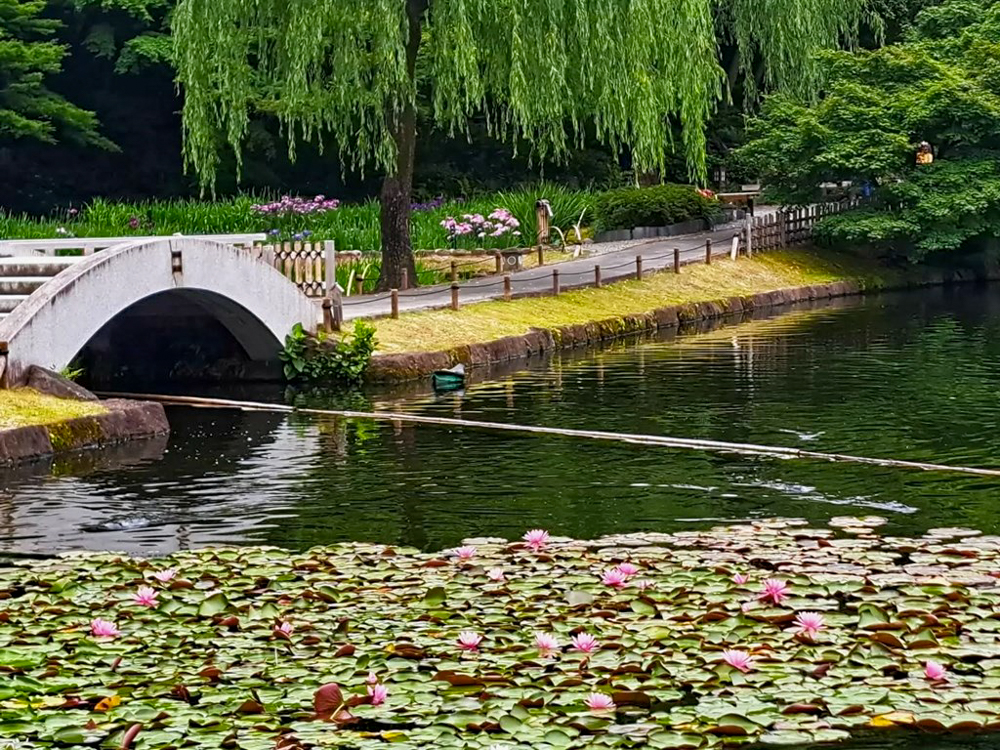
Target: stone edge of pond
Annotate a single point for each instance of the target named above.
(124, 421)
(408, 366)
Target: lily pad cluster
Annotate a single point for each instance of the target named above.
(770, 632)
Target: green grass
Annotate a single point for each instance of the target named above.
(23, 407)
(444, 329)
(353, 227)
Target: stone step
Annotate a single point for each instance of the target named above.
(10, 301)
(23, 267)
(20, 285)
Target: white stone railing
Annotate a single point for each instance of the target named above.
(90, 245)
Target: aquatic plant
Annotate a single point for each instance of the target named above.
(369, 648)
(536, 539)
(737, 659)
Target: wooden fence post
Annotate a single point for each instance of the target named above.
(677, 260)
(454, 272)
(638, 267)
(541, 255)
(506, 287)
(330, 265)
(555, 281)
(499, 261)
(597, 276)
(454, 296)
(360, 281)
(708, 252)
(337, 308)
(394, 303)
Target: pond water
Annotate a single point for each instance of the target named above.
(910, 376)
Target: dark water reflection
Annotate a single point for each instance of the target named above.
(914, 376)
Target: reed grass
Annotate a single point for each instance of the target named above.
(444, 329)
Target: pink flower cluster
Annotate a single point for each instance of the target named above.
(298, 206)
(497, 224)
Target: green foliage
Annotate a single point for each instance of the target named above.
(629, 67)
(276, 647)
(656, 206)
(133, 33)
(352, 227)
(28, 57)
(326, 360)
(942, 86)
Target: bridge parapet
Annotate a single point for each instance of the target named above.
(252, 300)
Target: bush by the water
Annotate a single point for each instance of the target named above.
(325, 359)
(657, 206)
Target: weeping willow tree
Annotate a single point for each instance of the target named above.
(537, 71)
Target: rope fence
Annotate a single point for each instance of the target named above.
(313, 266)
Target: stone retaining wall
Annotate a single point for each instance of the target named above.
(125, 420)
(397, 368)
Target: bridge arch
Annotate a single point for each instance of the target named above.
(247, 297)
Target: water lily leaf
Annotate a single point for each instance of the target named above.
(435, 597)
(675, 740)
(579, 598)
(733, 724)
(213, 605)
(643, 607)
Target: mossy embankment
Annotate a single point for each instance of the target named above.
(25, 407)
(419, 343)
(36, 425)
(445, 329)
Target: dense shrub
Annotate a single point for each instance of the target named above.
(657, 206)
(328, 360)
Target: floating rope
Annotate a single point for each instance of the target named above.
(716, 446)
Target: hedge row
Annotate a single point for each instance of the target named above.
(658, 206)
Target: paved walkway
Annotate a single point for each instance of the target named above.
(656, 255)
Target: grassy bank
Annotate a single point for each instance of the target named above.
(24, 407)
(443, 329)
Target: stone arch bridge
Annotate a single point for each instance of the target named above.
(130, 306)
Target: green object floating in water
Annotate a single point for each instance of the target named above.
(448, 380)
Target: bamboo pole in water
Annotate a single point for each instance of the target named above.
(716, 446)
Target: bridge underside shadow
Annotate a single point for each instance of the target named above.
(179, 337)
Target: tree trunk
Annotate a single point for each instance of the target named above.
(397, 188)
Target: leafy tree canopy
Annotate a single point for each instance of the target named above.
(536, 69)
(28, 56)
(941, 85)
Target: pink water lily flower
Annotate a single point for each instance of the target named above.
(740, 578)
(774, 591)
(628, 569)
(645, 584)
(809, 623)
(546, 643)
(600, 702)
(146, 596)
(935, 672)
(740, 660)
(378, 694)
(104, 629)
(465, 553)
(469, 640)
(496, 575)
(285, 628)
(585, 643)
(536, 539)
(614, 577)
(165, 576)
(372, 679)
